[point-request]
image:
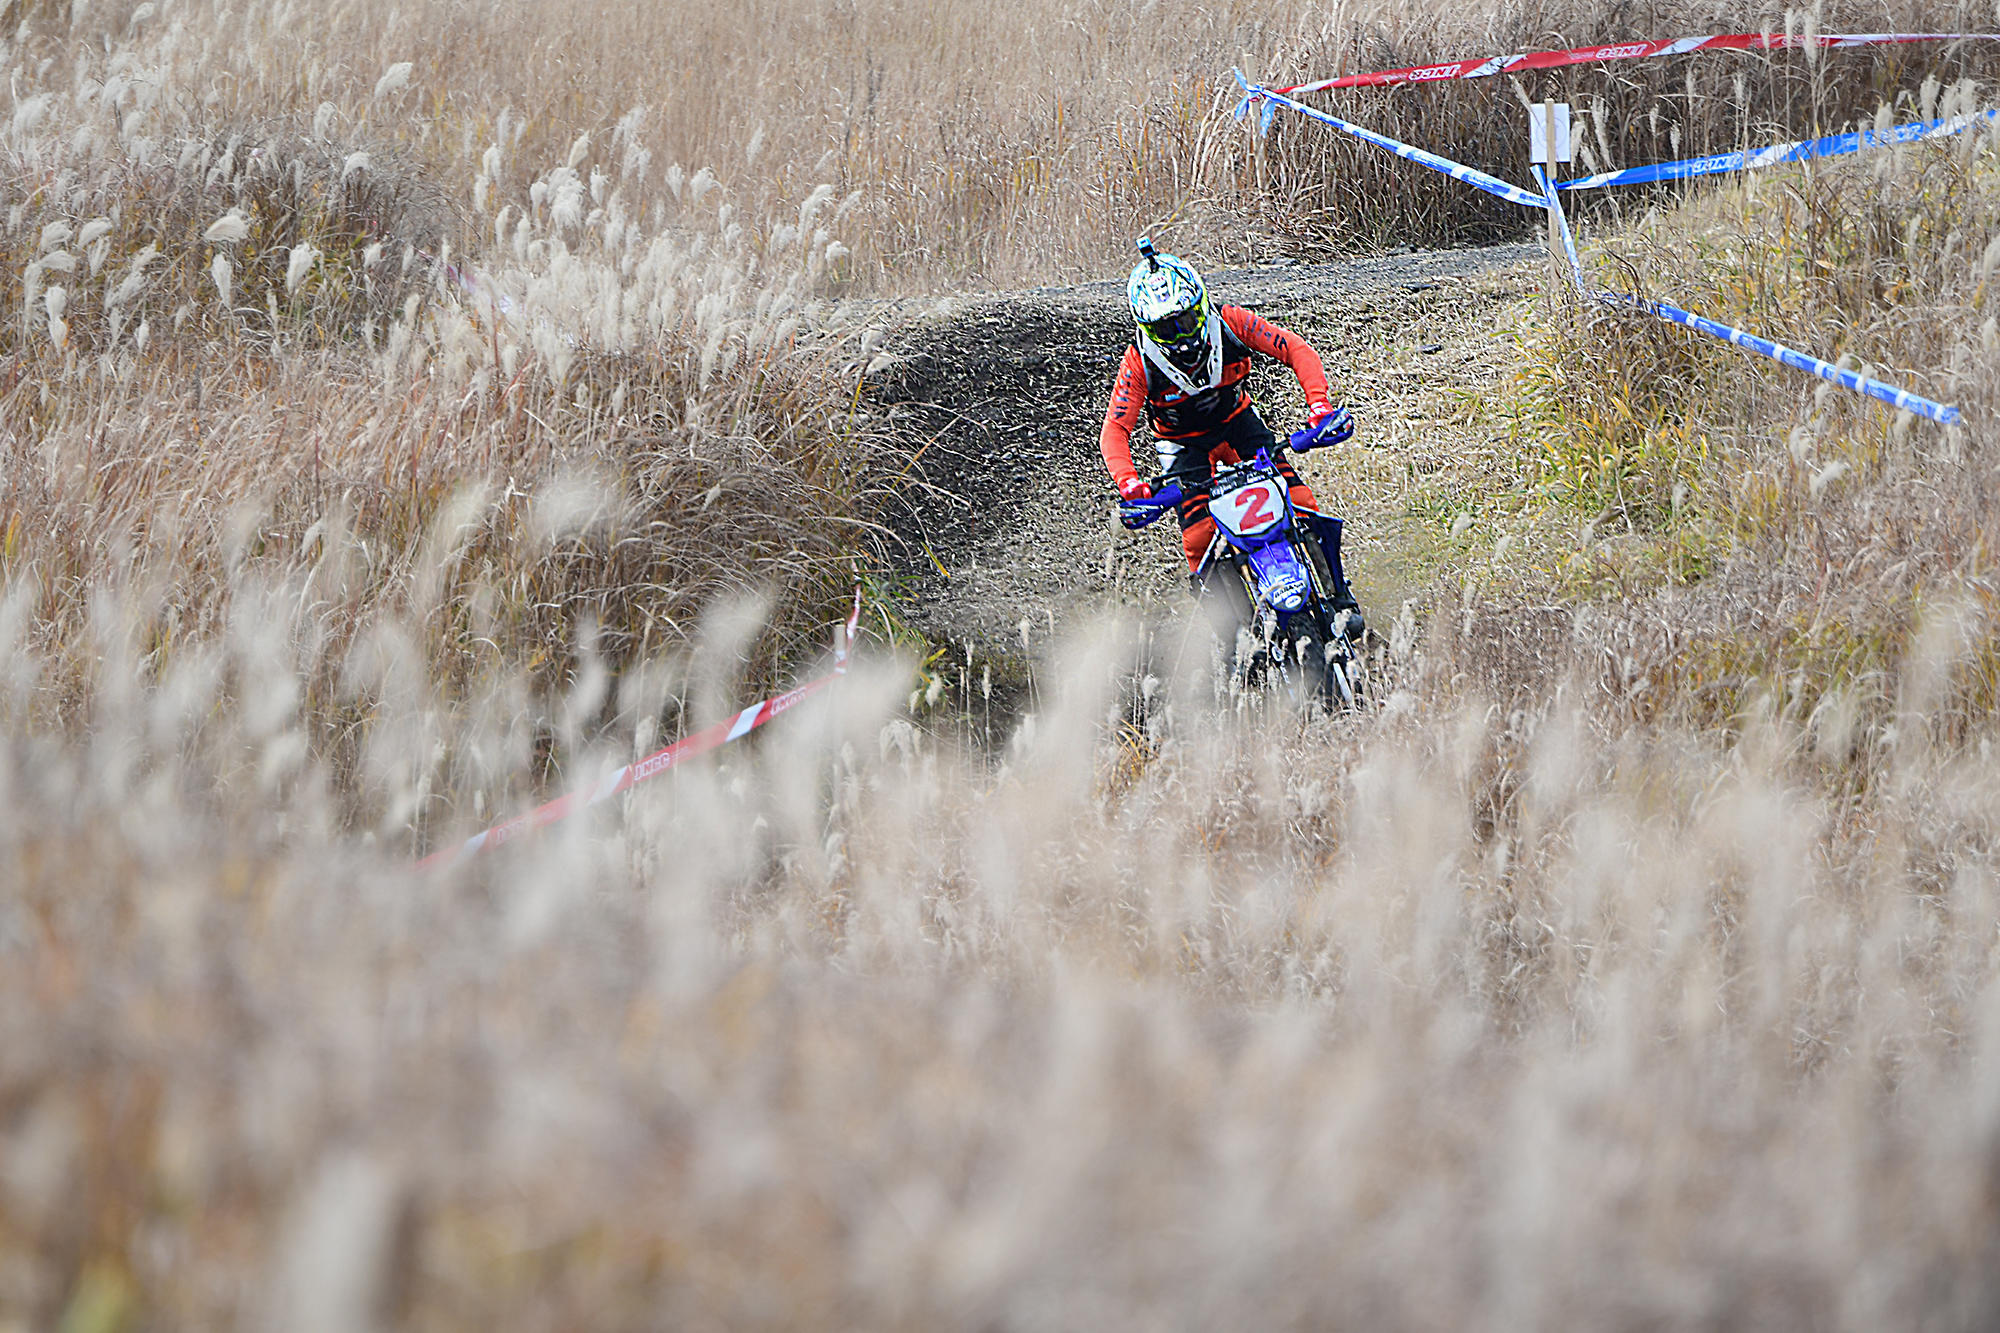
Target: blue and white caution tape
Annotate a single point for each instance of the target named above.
(1833, 145)
(1560, 221)
(1749, 342)
(1797, 360)
(1456, 170)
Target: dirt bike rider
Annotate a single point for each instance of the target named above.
(1188, 368)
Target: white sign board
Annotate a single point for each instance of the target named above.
(1538, 133)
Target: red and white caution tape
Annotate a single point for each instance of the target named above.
(1488, 66)
(733, 728)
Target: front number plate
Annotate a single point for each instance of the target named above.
(1250, 509)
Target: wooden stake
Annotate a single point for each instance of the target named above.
(1255, 120)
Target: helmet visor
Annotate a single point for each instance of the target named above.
(1179, 329)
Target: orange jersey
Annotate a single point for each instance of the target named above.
(1176, 414)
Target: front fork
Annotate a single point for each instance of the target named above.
(1319, 544)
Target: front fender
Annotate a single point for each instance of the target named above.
(1282, 582)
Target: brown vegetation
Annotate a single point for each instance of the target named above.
(391, 448)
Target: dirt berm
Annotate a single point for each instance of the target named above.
(1009, 516)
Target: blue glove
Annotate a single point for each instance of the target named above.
(1336, 427)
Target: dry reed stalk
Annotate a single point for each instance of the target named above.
(1536, 1023)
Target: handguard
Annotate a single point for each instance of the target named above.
(1136, 514)
(1337, 427)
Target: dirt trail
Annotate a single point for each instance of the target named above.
(1000, 398)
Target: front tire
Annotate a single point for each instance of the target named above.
(1303, 671)
(1335, 668)
(1345, 662)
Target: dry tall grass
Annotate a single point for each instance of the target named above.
(1460, 1020)
(1570, 1010)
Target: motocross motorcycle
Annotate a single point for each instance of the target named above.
(1272, 579)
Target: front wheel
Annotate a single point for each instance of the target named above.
(1328, 669)
(1304, 672)
(1343, 671)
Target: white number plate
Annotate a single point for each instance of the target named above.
(1249, 510)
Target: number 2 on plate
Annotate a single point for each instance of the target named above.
(1252, 508)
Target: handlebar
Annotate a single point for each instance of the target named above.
(1136, 514)
(1166, 494)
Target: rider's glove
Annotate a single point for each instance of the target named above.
(1337, 428)
(1136, 505)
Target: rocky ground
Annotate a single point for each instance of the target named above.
(1009, 516)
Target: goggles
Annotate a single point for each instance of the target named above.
(1176, 329)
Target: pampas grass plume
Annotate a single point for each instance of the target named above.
(396, 76)
(228, 228)
(300, 264)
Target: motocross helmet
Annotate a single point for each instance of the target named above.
(1170, 305)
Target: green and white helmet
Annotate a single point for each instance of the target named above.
(1177, 328)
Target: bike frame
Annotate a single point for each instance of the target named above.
(1283, 581)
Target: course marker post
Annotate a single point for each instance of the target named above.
(1548, 144)
(1562, 242)
(1548, 133)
